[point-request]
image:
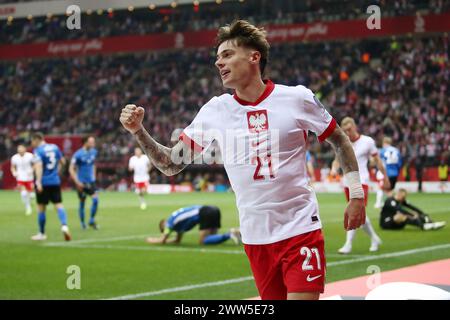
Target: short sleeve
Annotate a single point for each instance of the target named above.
(200, 134)
(373, 147)
(14, 160)
(74, 160)
(313, 116)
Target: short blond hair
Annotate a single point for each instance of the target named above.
(348, 120)
(246, 35)
(387, 140)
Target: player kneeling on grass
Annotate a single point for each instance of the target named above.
(184, 219)
(397, 213)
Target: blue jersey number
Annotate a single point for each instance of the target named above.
(51, 155)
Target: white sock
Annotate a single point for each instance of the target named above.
(349, 237)
(379, 197)
(368, 228)
(141, 199)
(25, 198)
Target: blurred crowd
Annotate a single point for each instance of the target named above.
(396, 87)
(205, 16)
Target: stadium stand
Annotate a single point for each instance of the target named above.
(85, 94)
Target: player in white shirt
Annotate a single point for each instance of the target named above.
(365, 148)
(22, 170)
(140, 165)
(261, 131)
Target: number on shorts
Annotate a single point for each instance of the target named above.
(305, 251)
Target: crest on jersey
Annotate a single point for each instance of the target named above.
(257, 121)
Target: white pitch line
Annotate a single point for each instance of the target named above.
(151, 248)
(183, 288)
(162, 249)
(390, 255)
(130, 237)
(242, 279)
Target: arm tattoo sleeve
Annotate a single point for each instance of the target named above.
(160, 155)
(344, 150)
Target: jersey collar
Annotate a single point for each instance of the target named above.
(267, 91)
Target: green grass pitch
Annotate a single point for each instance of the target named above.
(115, 261)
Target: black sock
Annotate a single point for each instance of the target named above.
(414, 221)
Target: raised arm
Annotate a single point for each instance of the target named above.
(355, 211)
(161, 156)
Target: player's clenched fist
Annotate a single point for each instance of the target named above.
(131, 117)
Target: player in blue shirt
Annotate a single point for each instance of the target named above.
(82, 170)
(184, 219)
(392, 160)
(47, 159)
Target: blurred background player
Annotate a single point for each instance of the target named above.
(140, 165)
(310, 166)
(397, 213)
(443, 174)
(47, 161)
(83, 171)
(22, 170)
(364, 147)
(392, 160)
(184, 219)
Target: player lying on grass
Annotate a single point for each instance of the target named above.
(184, 219)
(265, 126)
(397, 213)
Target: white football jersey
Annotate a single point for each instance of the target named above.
(140, 166)
(263, 146)
(24, 166)
(364, 148)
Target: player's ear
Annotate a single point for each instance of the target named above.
(255, 57)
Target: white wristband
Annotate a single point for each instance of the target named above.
(354, 185)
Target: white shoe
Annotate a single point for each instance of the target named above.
(434, 225)
(346, 249)
(28, 211)
(439, 224)
(235, 235)
(39, 237)
(143, 206)
(66, 233)
(376, 241)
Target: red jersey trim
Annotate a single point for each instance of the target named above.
(328, 131)
(191, 143)
(269, 88)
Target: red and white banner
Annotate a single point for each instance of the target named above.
(352, 29)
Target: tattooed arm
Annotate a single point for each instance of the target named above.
(355, 212)
(161, 156)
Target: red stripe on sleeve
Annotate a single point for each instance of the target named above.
(191, 143)
(328, 131)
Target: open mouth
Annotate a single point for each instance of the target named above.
(224, 73)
